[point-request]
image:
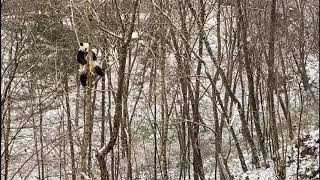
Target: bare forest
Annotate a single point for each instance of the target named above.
(192, 89)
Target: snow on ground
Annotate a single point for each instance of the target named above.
(309, 162)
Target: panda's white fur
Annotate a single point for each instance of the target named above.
(84, 47)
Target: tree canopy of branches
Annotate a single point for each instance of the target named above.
(191, 88)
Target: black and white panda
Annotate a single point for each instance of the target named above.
(82, 59)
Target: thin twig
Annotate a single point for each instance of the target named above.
(73, 23)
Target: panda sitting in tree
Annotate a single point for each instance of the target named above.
(82, 58)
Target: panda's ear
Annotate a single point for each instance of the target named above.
(81, 44)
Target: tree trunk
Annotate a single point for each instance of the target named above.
(194, 128)
(103, 167)
(285, 105)
(234, 136)
(280, 170)
(6, 138)
(103, 152)
(220, 71)
(88, 121)
(252, 99)
(185, 106)
(125, 127)
(69, 126)
(77, 110)
(41, 136)
(271, 79)
(218, 127)
(91, 127)
(164, 111)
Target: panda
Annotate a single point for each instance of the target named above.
(82, 59)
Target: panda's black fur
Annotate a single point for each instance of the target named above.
(82, 59)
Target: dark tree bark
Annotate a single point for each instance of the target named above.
(194, 127)
(103, 167)
(244, 123)
(271, 79)
(121, 78)
(69, 127)
(6, 137)
(243, 22)
(164, 109)
(280, 165)
(185, 106)
(88, 120)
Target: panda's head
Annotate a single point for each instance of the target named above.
(84, 47)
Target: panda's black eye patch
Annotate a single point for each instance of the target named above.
(81, 44)
(85, 49)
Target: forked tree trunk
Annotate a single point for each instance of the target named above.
(185, 105)
(103, 152)
(218, 126)
(244, 123)
(248, 66)
(194, 127)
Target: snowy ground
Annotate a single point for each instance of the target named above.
(309, 162)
